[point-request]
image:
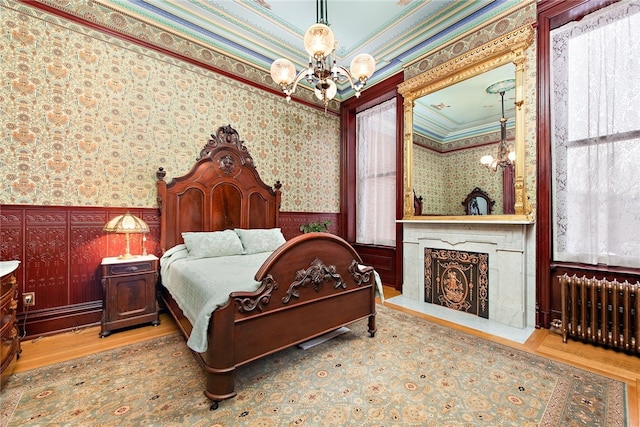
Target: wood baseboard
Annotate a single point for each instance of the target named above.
(33, 324)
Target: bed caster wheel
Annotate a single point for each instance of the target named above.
(214, 406)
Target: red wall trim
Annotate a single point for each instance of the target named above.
(375, 95)
(382, 258)
(38, 323)
(290, 222)
(60, 249)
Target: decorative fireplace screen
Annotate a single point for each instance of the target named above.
(458, 280)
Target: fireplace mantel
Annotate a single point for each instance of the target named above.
(471, 219)
(510, 245)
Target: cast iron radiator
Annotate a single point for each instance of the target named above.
(601, 312)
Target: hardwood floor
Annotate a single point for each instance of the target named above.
(52, 349)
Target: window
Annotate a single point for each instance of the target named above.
(376, 175)
(595, 92)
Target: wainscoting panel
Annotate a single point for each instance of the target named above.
(290, 222)
(382, 259)
(60, 249)
(46, 248)
(89, 244)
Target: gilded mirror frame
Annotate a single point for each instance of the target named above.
(507, 48)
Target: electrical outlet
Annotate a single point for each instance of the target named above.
(29, 299)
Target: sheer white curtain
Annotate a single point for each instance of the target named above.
(596, 137)
(376, 175)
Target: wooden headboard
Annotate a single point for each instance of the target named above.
(221, 191)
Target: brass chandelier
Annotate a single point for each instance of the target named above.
(322, 72)
(505, 155)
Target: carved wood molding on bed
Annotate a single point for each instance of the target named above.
(225, 135)
(316, 275)
(249, 301)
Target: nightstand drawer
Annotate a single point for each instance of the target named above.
(129, 268)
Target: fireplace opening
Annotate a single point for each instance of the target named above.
(458, 280)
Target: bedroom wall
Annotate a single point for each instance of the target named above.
(88, 118)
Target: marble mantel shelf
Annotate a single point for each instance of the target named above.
(470, 219)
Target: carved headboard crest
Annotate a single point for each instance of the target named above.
(225, 135)
(222, 190)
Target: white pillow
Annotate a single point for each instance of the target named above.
(212, 244)
(260, 239)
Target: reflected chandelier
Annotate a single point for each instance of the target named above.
(505, 156)
(322, 72)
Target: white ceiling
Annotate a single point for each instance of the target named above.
(395, 32)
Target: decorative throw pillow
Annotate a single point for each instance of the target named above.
(260, 239)
(212, 244)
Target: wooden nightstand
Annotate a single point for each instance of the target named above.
(129, 292)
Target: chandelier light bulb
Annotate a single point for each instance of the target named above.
(512, 156)
(330, 90)
(319, 41)
(486, 160)
(362, 66)
(283, 71)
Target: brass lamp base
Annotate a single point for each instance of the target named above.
(127, 251)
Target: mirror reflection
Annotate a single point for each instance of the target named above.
(453, 129)
(444, 176)
(478, 202)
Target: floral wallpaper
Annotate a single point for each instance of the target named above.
(445, 179)
(88, 118)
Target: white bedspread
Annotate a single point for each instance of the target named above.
(199, 286)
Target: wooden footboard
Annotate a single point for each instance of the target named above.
(310, 286)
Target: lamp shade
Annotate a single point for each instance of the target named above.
(282, 71)
(330, 90)
(319, 40)
(126, 223)
(362, 66)
(486, 159)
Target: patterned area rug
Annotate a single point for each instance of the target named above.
(413, 373)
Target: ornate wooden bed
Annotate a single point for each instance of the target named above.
(309, 286)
